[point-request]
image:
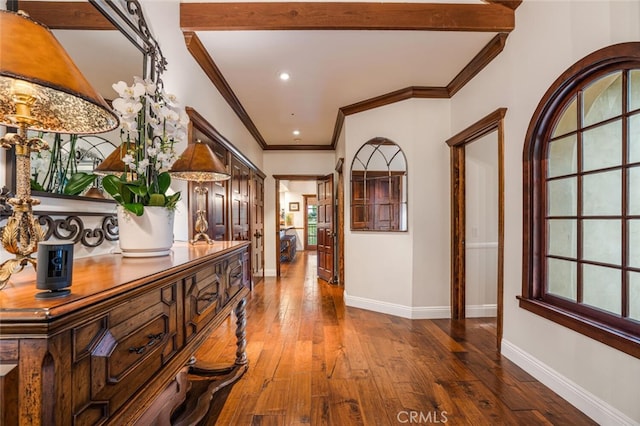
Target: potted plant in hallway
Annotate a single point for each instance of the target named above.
(151, 123)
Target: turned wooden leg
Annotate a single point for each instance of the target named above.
(241, 325)
(206, 380)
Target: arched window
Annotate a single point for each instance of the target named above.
(379, 187)
(582, 200)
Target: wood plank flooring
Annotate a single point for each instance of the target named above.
(315, 362)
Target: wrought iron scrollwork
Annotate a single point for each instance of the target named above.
(70, 226)
(73, 228)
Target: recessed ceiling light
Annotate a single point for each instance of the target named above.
(284, 76)
(296, 132)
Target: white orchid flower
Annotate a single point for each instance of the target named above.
(180, 135)
(184, 118)
(170, 115)
(149, 86)
(142, 166)
(128, 160)
(170, 98)
(129, 92)
(127, 107)
(131, 126)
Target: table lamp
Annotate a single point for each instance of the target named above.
(41, 89)
(199, 164)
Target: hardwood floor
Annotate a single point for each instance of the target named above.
(315, 362)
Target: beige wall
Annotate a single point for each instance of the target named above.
(549, 37)
(481, 217)
(404, 273)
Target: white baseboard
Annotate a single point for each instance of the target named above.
(270, 273)
(426, 312)
(377, 306)
(600, 411)
(480, 311)
(416, 312)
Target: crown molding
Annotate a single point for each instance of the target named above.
(202, 57)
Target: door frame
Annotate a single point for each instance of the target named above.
(278, 178)
(457, 143)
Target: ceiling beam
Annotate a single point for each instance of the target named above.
(511, 4)
(346, 16)
(63, 15)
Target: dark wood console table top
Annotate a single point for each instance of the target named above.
(97, 278)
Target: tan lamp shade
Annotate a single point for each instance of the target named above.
(34, 63)
(113, 164)
(199, 163)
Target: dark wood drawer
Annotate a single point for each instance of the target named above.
(119, 352)
(235, 276)
(202, 295)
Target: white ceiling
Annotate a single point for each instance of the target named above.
(329, 70)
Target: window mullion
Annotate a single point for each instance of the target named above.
(624, 291)
(579, 223)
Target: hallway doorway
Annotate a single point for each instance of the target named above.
(491, 124)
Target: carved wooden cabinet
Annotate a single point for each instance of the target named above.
(103, 354)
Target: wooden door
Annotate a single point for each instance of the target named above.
(257, 225)
(240, 201)
(326, 232)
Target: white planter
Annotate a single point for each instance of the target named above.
(148, 235)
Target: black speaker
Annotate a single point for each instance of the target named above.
(55, 267)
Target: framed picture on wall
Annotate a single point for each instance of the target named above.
(294, 207)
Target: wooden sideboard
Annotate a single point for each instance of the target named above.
(105, 353)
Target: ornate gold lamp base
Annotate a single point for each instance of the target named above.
(20, 237)
(22, 232)
(201, 225)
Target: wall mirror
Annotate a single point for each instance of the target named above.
(111, 42)
(379, 187)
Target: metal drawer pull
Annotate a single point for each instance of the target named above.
(153, 338)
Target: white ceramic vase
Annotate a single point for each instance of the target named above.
(148, 235)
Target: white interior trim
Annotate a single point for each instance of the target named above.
(599, 410)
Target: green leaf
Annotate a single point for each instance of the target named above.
(127, 195)
(172, 199)
(112, 184)
(78, 182)
(137, 188)
(164, 181)
(135, 208)
(156, 200)
(36, 186)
